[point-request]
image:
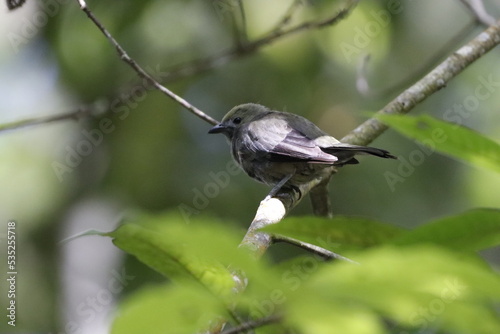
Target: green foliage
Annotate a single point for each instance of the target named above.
(199, 252)
(417, 287)
(452, 139)
(416, 279)
(471, 231)
(165, 309)
(426, 279)
(162, 248)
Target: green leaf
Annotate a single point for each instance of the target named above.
(419, 287)
(452, 139)
(470, 231)
(173, 248)
(165, 309)
(203, 251)
(337, 232)
(318, 315)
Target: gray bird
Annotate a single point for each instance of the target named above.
(282, 149)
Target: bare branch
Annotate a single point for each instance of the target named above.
(140, 71)
(324, 253)
(243, 328)
(454, 42)
(273, 210)
(239, 51)
(362, 84)
(476, 7)
(320, 199)
(73, 115)
(428, 85)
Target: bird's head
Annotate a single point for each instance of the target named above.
(238, 117)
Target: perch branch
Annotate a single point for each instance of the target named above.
(276, 208)
(273, 210)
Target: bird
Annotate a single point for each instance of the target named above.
(282, 149)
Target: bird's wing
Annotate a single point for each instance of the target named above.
(278, 141)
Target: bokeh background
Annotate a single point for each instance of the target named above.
(136, 150)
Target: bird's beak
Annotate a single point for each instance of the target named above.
(218, 128)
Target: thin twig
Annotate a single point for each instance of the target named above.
(340, 15)
(287, 17)
(73, 115)
(140, 71)
(476, 7)
(253, 324)
(239, 51)
(428, 85)
(444, 50)
(192, 68)
(362, 84)
(324, 253)
(242, 36)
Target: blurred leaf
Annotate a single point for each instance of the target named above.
(203, 251)
(452, 139)
(470, 231)
(163, 243)
(354, 37)
(167, 309)
(318, 315)
(336, 232)
(417, 287)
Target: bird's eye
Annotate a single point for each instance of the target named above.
(237, 120)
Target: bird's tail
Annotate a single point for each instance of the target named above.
(348, 150)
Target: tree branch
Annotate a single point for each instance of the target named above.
(140, 71)
(243, 328)
(476, 7)
(241, 50)
(320, 199)
(428, 85)
(324, 253)
(72, 115)
(273, 210)
(276, 208)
